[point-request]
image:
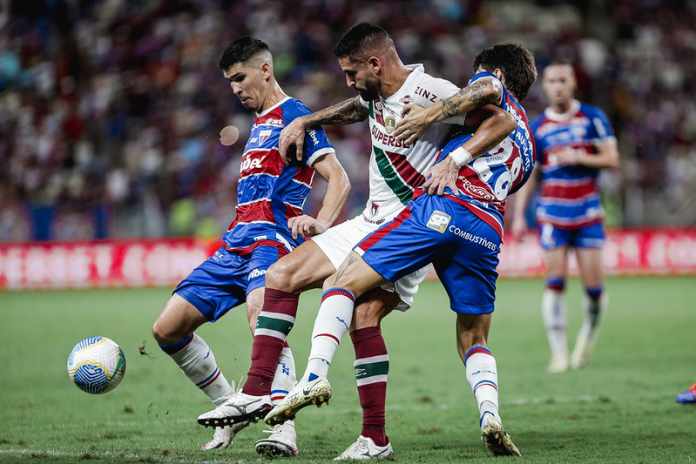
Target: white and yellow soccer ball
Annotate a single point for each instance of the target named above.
(96, 365)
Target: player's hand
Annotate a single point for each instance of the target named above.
(441, 175)
(306, 226)
(519, 227)
(412, 125)
(568, 157)
(292, 134)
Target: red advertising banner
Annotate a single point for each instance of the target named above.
(139, 263)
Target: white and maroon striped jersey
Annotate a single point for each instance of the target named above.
(396, 169)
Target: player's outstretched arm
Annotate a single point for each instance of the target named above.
(346, 112)
(490, 133)
(416, 119)
(335, 197)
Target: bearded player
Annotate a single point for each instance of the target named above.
(371, 64)
(574, 141)
(457, 224)
(269, 223)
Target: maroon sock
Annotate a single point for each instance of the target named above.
(269, 339)
(371, 376)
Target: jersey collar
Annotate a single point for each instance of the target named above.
(572, 111)
(265, 112)
(416, 70)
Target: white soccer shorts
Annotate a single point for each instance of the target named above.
(338, 241)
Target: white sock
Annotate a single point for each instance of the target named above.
(482, 375)
(554, 314)
(332, 322)
(198, 362)
(284, 378)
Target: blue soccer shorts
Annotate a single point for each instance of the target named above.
(589, 236)
(437, 229)
(224, 280)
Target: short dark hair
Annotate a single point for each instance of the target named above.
(359, 38)
(241, 50)
(516, 63)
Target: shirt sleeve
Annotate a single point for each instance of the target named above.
(316, 145)
(601, 125)
(444, 89)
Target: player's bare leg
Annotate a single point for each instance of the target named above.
(553, 309)
(307, 266)
(331, 323)
(174, 332)
(482, 374)
(590, 265)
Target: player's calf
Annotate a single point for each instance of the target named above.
(595, 305)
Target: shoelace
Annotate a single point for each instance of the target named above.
(276, 428)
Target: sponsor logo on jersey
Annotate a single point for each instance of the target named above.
(257, 273)
(473, 238)
(384, 139)
(251, 163)
(428, 95)
(313, 136)
(438, 221)
(269, 122)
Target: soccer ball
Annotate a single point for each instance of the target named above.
(96, 365)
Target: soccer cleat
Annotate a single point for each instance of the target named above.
(497, 440)
(364, 448)
(558, 364)
(282, 441)
(688, 396)
(303, 394)
(222, 438)
(239, 408)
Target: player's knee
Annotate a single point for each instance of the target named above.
(369, 314)
(557, 284)
(163, 333)
(282, 276)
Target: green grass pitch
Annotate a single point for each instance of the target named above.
(620, 409)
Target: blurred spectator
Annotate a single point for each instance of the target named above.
(110, 110)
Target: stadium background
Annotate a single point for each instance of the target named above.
(109, 115)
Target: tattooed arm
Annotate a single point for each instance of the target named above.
(417, 119)
(345, 112)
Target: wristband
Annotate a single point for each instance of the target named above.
(461, 156)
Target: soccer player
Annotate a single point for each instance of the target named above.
(459, 229)
(574, 141)
(268, 224)
(368, 57)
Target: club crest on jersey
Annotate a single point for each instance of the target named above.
(263, 135)
(438, 221)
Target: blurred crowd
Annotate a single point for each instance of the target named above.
(110, 110)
